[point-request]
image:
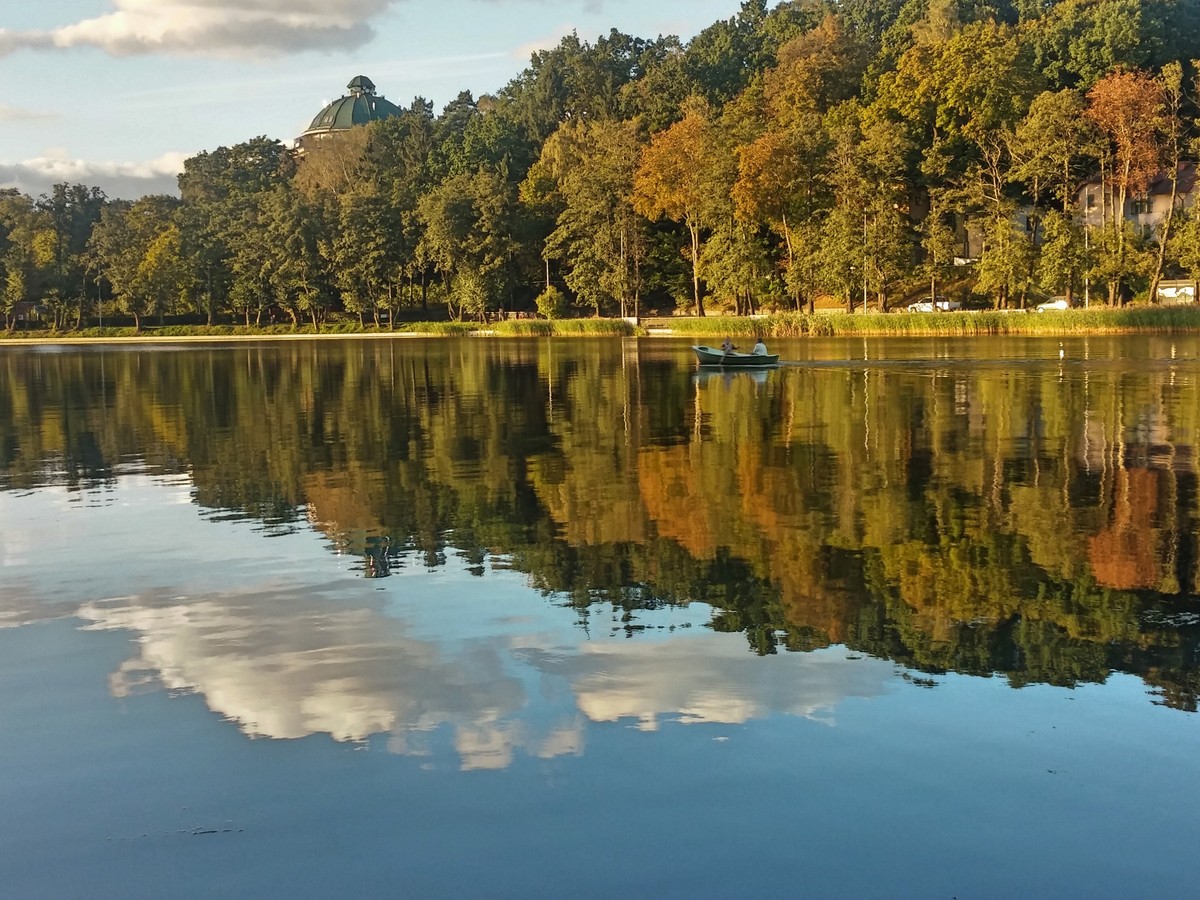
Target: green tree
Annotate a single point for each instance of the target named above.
(1172, 137)
(844, 231)
(1005, 263)
(1051, 145)
(298, 273)
(586, 173)
(365, 255)
(551, 303)
(72, 211)
(129, 250)
(23, 228)
(1186, 245)
(220, 222)
(675, 178)
(161, 278)
(1061, 258)
(472, 294)
(470, 226)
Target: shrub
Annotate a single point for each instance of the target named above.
(551, 303)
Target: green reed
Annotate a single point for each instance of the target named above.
(953, 324)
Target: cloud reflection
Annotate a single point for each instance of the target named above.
(286, 662)
(712, 679)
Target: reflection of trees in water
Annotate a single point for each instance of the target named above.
(991, 519)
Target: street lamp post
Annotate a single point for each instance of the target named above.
(864, 305)
(1087, 271)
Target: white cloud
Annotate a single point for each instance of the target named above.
(211, 27)
(12, 41)
(125, 180)
(20, 114)
(546, 42)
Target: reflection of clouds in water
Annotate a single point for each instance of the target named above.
(284, 663)
(303, 656)
(21, 605)
(712, 678)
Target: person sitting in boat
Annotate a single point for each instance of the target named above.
(760, 349)
(727, 346)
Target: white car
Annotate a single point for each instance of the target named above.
(1053, 303)
(926, 305)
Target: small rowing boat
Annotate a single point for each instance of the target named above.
(713, 356)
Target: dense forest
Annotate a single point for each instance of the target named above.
(817, 149)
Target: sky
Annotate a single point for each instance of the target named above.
(118, 93)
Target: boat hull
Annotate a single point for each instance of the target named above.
(712, 356)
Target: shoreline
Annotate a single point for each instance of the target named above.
(987, 323)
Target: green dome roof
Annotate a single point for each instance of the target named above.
(359, 107)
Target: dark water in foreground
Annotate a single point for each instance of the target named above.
(512, 619)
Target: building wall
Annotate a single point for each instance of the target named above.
(1147, 211)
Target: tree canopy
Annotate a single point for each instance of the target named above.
(818, 148)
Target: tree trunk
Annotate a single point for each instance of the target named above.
(791, 261)
(695, 232)
(1165, 236)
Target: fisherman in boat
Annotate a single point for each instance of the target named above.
(727, 346)
(760, 349)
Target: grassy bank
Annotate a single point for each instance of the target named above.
(508, 328)
(1175, 319)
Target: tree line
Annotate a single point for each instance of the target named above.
(819, 148)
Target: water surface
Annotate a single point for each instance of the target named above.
(517, 618)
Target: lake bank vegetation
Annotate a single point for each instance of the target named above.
(343, 328)
(853, 153)
(1099, 320)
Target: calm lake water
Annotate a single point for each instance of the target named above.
(484, 618)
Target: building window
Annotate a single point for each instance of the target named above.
(1091, 200)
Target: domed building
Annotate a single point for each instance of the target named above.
(359, 107)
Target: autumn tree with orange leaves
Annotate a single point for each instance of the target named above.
(1127, 106)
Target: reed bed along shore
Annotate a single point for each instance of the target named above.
(951, 324)
(1103, 320)
(506, 328)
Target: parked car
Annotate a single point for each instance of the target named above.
(1053, 303)
(927, 305)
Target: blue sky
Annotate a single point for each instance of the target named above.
(117, 93)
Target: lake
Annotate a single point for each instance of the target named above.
(534, 618)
